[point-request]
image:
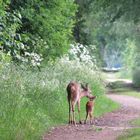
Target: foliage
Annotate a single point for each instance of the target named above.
(136, 76)
(110, 25)
(36, 29)
(80, 34)
(128, 59)
(50, 21)
(12, 43)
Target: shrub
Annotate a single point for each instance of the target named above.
(136, 77)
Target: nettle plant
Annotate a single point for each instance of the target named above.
(83, 54)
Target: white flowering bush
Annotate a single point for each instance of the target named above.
(83, 54)
(34, 58)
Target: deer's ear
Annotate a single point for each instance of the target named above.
(83, 86)
(86, 85)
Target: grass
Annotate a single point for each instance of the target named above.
(126, 91)
(123, 74)
(136, 122)
(132, 93)
(31, 102)
(122, 87)
(133, 134)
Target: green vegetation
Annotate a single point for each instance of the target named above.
(113, 26)
(128, 92)
(36, 30)
(32, 101)
(133, 134)
(121, 87)
(136, 122)
(45, 44)
(41, 31)
(136, 77)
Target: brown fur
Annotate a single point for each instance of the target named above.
(75, 93)
(89, 109)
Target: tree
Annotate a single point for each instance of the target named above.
(80, 34)
(44, 27)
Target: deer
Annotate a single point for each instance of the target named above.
(75, 92)
(89, 109)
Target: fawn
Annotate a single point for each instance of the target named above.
(75, 93)
(89, 109)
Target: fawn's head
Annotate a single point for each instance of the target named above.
(92, 98)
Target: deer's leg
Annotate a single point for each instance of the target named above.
(70, 117)
(86, 118)
(73, 111)
(78, 104)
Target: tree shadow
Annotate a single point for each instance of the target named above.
(121, 86)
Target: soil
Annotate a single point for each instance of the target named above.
(107, 127)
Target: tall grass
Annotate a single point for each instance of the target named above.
(32, 101)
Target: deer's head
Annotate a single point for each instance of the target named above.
(87, 91)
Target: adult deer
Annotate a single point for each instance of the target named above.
(75, 93)
(89, 109)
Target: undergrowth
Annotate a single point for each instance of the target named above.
(31, 101)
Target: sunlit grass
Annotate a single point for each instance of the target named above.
(127, 91)
(124, 88)
(122, 74)
(132, 93)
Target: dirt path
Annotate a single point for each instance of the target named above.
(107, 127)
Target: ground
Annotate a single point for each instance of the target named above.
(107, 127)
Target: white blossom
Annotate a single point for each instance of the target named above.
(81, 53)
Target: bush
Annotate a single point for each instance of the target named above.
(136, 77)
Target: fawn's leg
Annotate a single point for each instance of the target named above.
(91, 117)
(86, 118)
